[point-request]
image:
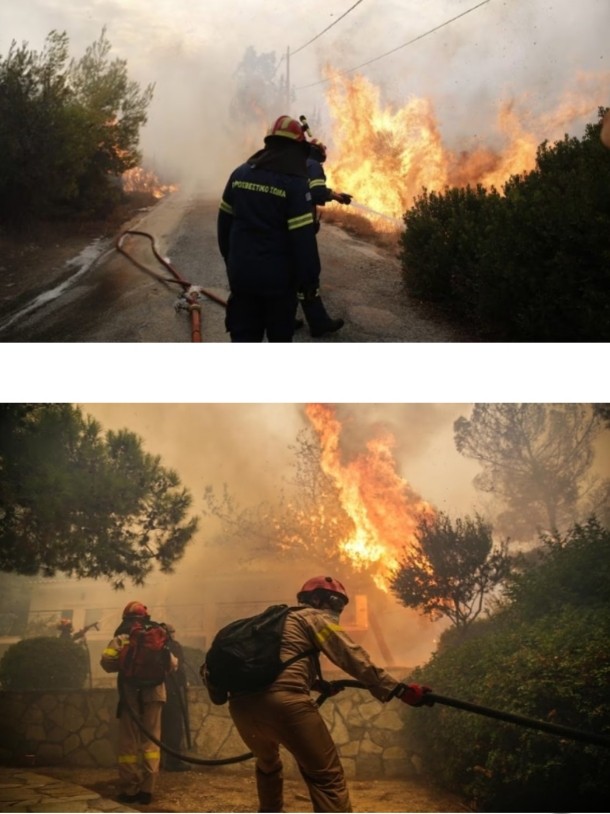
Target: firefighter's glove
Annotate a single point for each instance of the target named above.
(415, 695)
(326, 688)
(343, 197)
(308, 294)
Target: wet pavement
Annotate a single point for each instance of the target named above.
(25, 790)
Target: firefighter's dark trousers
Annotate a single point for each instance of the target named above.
(138, 756)
(252, 317)
(269, 720)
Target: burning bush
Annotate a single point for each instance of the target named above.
(139, 179)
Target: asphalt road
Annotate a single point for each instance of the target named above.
(115, 301)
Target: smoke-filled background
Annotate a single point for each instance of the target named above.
(250, 448)
(473, 99)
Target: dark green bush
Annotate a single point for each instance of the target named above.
(68, 130)
(44, 663)
(532, 264)
(545, 656)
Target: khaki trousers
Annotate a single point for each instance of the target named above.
(269, 720)
(138, 756)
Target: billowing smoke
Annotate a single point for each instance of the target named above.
(528, 53)
(248, 447)
(251, 449)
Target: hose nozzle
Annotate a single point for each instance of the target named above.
(305, 125)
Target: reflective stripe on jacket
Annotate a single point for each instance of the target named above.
(110, 663)
(266, 232)
(320, 193)
(309, 627)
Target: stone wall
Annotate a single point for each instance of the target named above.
(79, 728)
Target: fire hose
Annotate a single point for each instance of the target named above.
(190, 299)
(431, 698)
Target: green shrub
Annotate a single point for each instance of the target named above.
(442, 244)
(547, 660)
(44, 663)
(532, 264)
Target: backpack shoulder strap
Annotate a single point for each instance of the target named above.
(313, 651)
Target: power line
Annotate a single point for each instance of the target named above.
(404, 45)
(327, 28)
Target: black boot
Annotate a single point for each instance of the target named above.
(317, 317)
(123, 797)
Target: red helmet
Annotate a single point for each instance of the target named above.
(318, 148)
(135, 609)
(287, 127)
(327, 584)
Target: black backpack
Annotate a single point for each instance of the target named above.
(245, 655)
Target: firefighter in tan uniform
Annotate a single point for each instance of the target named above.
(138, 756)
(285, 713)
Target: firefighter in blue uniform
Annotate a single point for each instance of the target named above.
(267, 238)
(315, 313)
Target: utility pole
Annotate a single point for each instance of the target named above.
(288, 80)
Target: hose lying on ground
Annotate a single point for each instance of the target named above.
(191, 294)
(432, 698)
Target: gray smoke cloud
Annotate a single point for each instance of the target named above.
(531, 50)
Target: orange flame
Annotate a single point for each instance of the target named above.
(141, 180)
(384, 156)
(384, 508)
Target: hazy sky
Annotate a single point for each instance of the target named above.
(246, 445)
(190, 50)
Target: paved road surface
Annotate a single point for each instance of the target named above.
(114, 301)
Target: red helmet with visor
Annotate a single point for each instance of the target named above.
(329, 585)
(287, 127)
(135, 609)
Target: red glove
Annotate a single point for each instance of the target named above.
(415, 695)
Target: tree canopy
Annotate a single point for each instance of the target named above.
(537, 460)
(260, 95)
(451, 571)
(305, 519)
(67, 127)
(83, 503)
